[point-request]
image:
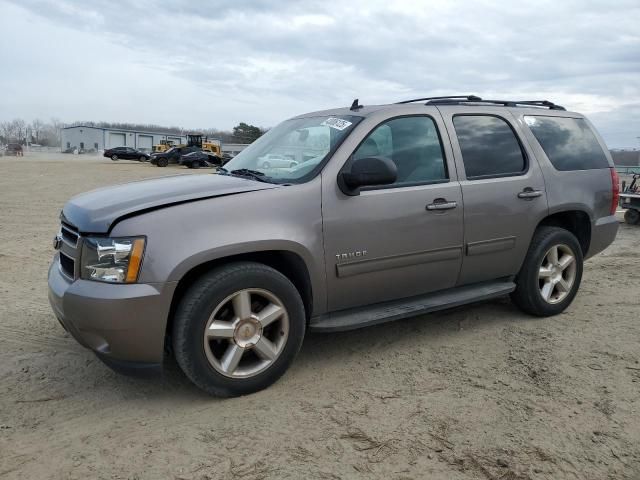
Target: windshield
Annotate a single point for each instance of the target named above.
(293, 151)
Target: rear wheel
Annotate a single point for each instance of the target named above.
(238, 328)
(551, 273)
(632, 217)
(114, 157)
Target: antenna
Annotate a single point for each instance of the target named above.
(355, 106)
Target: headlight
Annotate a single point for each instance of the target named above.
(113, 260)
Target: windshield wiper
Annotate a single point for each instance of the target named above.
(253, 174)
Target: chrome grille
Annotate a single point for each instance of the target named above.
(69, 255)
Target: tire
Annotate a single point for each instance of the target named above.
(143, 158)
(540, 277)
(114, 157)
(195, 164)
(266, 165)
(632, 217)
(162, 162)
(215, 293)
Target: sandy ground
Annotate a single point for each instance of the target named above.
(478, 392)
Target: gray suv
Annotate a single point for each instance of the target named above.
(384, 212)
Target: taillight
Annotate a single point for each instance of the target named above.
(615, 190)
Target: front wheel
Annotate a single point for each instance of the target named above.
(551, 273)
(238, 328)
(162, 162)
(195, 164)
(143, 158)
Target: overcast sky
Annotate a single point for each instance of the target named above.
(216, 63)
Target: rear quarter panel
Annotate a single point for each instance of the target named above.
(585, 190)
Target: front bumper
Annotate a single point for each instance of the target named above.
(124, 324)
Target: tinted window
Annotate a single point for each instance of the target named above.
(489, 146)
(414, 146)
(568, 142)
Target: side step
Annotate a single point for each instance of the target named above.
(359, 317)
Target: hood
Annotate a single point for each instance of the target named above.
(98, 210)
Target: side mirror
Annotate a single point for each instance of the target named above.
(367, 171)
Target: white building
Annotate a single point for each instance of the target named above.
(96, 138)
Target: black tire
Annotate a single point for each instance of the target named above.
(199, 302)
(114, 157)
(143, 158)
(527, 295)
(632, 217)
(195, 164)
(162, 162)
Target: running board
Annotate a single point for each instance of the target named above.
(359, 317)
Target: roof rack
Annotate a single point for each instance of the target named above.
(464, 99)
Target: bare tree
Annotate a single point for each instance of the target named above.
(19, 129)
(37, 126)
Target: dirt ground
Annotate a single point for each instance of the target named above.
(478, 392)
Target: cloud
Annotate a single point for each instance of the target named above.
(217, 63)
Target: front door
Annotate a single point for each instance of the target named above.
(397, 240)
(503, 189)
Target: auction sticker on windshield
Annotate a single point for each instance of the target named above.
(336, 123)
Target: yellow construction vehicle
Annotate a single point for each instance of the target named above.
(163, 146)
(200, 141)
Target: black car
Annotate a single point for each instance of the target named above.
(126, 153)
(13, 149)
(171, 156)
(200, 159)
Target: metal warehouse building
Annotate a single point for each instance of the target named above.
(96, 138)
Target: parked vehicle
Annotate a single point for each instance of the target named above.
(163, 146)
(272, 160)
(171, 156)
(126, 153)
(13, 150)
(630, 201)
(200, 159)
(399, 210)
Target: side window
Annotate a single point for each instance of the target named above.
(569, 143)
(489, 146)
(413, 144)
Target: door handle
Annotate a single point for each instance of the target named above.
(529, 193)
(441, 204)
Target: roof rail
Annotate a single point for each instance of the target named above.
(469, 98)
(464, 99)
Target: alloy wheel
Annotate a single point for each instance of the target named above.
(246, 333)
(557, 273)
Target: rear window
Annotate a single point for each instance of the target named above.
(569, 143)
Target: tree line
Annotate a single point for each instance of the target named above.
(47, 134)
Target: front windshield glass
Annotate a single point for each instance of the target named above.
(293, 151)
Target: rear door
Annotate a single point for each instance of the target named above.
(502, 187)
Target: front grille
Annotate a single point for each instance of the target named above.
(69, 250)
(69, 235)
(67, 265)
